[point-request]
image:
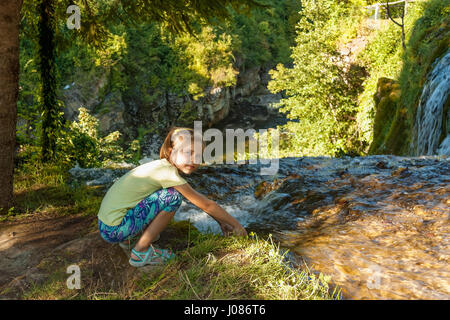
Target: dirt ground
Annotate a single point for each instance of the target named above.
(32, 249)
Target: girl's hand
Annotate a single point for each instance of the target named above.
(227, 230)
(240, 231)
(213, 209)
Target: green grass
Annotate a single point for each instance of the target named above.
(43, 188)
(233, 268)
(213, 267)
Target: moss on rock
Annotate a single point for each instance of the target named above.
(386, 99)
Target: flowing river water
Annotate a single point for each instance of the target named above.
(378, 225)
(431, 112)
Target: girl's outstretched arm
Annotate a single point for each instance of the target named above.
(211, 208)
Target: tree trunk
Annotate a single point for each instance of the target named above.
(9, 91)
(51, 121)
(401, 25)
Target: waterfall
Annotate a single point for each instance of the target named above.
(428, 126)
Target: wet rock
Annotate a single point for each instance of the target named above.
(291, 186)
(150, 147)
(262, 188)
(403, 172)
(381, 165)
(98, 176)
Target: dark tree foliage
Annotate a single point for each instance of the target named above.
(177, 16)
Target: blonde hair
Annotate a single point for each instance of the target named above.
(172, 136)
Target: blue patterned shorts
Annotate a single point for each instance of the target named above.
(139, 217)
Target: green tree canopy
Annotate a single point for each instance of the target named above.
(318, 94)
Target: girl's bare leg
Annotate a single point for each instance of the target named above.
(155, 227)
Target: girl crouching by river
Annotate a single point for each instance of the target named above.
(146, 198)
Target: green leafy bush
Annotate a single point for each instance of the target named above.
(80, 143)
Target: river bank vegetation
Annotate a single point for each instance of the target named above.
(343, 106)
(347, 86)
